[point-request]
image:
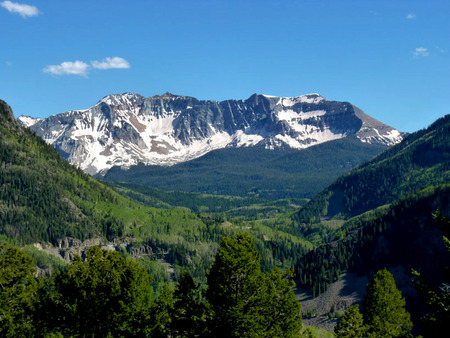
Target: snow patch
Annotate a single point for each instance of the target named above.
(28, 121)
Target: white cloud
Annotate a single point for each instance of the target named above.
(68, 67)
(83, 68)
(22, 9)
(421, 51)
(109, 63)
(411, 16)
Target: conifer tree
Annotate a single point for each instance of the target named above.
(438, 319)
(234, 283)
(245, 302)
(351, 324)
(384, 307)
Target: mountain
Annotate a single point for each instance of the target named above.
(124, 130)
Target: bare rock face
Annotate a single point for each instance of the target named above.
(124, 130)
(140, 251)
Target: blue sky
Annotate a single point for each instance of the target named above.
(389, 57)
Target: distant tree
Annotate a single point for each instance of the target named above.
(105, 295)
(384, 307)
(246, 302)
(17, 292)
(351, 324)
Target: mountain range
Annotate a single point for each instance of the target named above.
(129, 129)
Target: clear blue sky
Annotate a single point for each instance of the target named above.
(389, 57)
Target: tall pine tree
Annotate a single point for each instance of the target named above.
(246, 302)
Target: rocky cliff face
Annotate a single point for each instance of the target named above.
(123, 130)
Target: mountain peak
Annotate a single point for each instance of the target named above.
(120, 99)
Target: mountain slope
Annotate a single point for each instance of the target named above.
(124, 130)
(403, 234)
(422, 159)
(255, 171)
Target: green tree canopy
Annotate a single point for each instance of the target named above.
(106, 294)
(438, 319)
(17, 292)
(246, 302)
(351, 324)
(384, 307)
(189, 312)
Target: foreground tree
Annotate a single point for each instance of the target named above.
(245, 302)
(280, 308)
(17, 292)
(384, 307)
(105, 295)
(351, 324)
(438, 319)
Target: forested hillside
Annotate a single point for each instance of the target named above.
(255, 171)
(402, 234)
(44, 198)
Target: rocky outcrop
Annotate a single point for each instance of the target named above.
(140, 251)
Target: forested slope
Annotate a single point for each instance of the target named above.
(255, 171)
(403, 234)
(422, 159)
(42, 197)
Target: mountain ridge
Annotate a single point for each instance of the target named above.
(127, 129)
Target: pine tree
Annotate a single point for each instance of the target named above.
(234, 283)
(351, 324)
(384, 307)
(246, 302)
(280, 308)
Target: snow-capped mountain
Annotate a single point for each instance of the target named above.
(123, 130)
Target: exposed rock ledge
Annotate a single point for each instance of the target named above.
(67, 247)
